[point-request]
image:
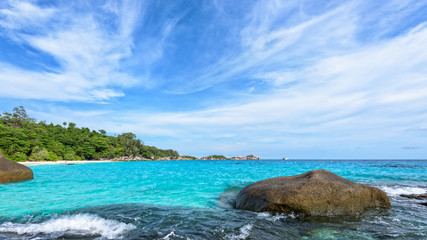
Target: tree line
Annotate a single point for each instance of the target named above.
(23, 138)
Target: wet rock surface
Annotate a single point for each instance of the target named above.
(12, 172)
(415, 196)
(315, 193)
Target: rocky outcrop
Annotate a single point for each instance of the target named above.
(221, 157)
(249, 157)
(415, 196)
(214, 157)
(315, 193)
(12, 172)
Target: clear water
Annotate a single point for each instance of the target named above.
(194, 200)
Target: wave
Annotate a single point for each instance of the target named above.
(406, 166)
(398, 190)
(76, 225)
(244, 232)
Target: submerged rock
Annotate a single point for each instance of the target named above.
(12, 172)
(415, 196)
(315, 193)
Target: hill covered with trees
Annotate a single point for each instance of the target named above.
(23, 138)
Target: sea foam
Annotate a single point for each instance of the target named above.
(398, 190)
(276, 217)
(79, 224)
(169, 235)
(244, 232)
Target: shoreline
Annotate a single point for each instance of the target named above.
(71, 162)
(62, 162)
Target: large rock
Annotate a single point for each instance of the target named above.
(12, 172)
(315, 193)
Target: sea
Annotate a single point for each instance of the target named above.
(195, 200)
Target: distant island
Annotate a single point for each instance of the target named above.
(221, 157)
(186, 157)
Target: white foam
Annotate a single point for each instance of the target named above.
(244, 232)
(79, 224)
(264, 214)
(403, 190)
(276, 216)
(169, 235)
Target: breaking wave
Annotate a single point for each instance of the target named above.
(244, 232)
(398, 190)
(75, 225)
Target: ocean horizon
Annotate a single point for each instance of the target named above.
(195, 200)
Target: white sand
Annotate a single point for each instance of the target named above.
(63, 162)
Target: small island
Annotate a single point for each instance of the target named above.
(249, 157)
(221, 157)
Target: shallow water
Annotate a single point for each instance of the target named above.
(194, 199)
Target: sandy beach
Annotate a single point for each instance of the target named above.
(63, 162)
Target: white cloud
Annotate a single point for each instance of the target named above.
(18, 83)
(24, 14)
(89, 55)
(268, 47)
(373, 94)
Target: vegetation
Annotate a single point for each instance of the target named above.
(23, 138)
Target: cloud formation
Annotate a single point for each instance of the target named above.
(88, 55)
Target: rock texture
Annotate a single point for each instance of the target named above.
(12, 172)
(315, 193)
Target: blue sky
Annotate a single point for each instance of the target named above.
(298, 79)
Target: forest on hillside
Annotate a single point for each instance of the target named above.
(23, 138)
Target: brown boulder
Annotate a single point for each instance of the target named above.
(12, 172)
(314, 193)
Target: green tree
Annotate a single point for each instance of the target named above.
(21, 138)
(39, 154)
(88, 150)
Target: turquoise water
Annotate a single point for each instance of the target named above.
(194, 200)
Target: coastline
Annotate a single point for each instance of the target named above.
(70, 162)
(63, 162)
(135, 159)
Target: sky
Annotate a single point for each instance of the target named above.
(297, 79)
